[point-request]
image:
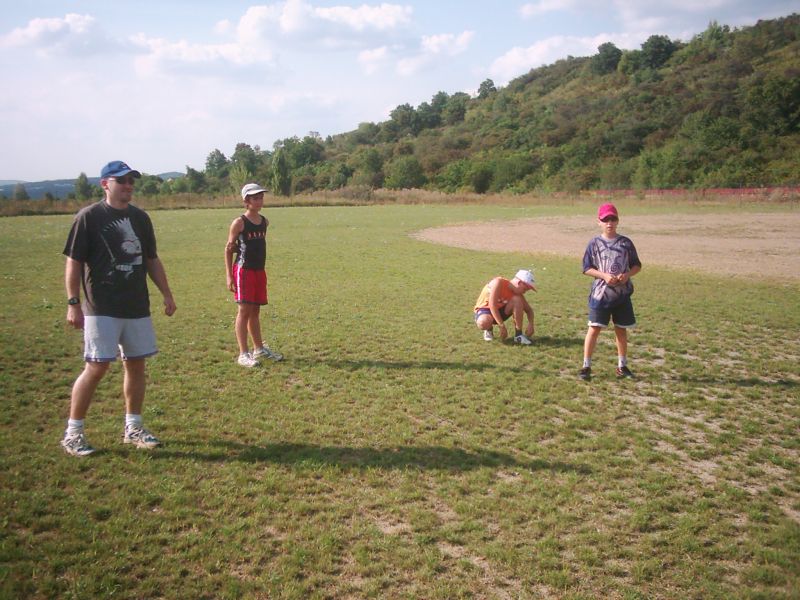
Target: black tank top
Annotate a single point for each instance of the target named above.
(252, 245)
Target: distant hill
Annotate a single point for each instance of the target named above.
(720, 110)
(59, 188)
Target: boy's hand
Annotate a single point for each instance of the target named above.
(503, 331)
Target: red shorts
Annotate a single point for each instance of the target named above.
(251, 285)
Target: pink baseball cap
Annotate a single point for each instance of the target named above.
(607, 210)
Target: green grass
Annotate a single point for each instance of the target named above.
(394, 454)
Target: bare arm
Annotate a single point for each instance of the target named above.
(528, 311)
(236, 228)
(159, 276)
(72, 280)
(597, 274)
(626, 276)
(494, 307)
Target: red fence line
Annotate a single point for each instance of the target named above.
(759, 191)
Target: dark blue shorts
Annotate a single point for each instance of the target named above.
(622, 314)
(486, 311)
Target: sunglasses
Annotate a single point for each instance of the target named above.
(607, 219)
(127, 180)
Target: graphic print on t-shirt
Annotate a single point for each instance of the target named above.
(123, 245)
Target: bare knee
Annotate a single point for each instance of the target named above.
(95, 371)
(134, 366)
(484, 322)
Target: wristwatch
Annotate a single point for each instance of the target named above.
(73, 301)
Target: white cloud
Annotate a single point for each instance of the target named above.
(371, 60)
(434, 48)
(224, 27)
(162, 57)
(447, 43)
(381, 18)
(518, 61)
(535, 9)
(72, 35)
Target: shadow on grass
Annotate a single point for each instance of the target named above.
(356, 364)
(552, 342)
(435, 458)
(747, 382)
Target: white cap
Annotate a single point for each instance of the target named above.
(526, 276)
(251, 188)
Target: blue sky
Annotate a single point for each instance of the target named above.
(160, 84)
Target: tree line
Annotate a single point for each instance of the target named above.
(721, 110)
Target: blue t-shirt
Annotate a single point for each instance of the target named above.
(615, 256)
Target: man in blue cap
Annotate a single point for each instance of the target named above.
(111, 249)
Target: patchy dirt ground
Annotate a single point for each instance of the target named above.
(763, 245)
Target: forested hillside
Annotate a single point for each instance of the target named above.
(721, 110)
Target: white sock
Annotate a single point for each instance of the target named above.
(74, 426)
(587, 362)
(133, 420)
(623, 361)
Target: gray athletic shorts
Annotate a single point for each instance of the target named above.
(105, 338)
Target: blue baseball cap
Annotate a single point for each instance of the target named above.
(117, 168)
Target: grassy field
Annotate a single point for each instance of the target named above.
(394, 454)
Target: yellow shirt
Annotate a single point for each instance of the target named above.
(506, 293)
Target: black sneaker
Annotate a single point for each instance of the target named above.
(585, 373)
(624, 373)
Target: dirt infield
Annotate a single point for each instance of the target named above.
(763, 245)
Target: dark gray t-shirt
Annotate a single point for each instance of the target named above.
(615, 256)
(113, 246)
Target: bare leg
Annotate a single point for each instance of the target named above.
(254, 325)
(519, 313)
(622, 341)
(84, 387)
(485, 322)
(591, 341)
(134, 385)
(242, 317)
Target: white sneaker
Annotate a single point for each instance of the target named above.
(246, 360)
(522, 339)
(265, 352)
(488, 335)
(76, 445)
(140, 437)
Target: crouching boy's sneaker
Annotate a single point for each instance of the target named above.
(522, 339)
(76, 445)
(140, 437)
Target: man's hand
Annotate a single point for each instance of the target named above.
(503, 331)
(169, 306)
(75, 316)
(529, 330)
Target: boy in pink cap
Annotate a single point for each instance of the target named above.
(611, 259)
